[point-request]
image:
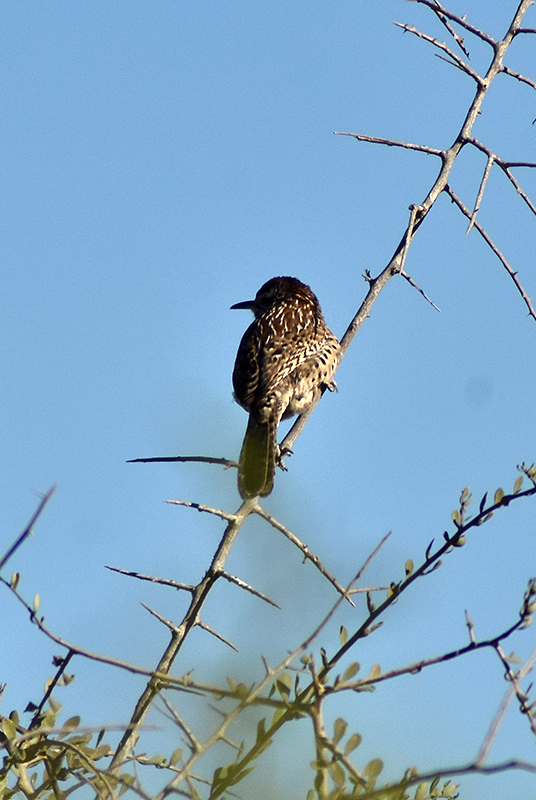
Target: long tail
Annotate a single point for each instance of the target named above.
(256, 469)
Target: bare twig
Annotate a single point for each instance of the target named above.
(515, 679)
(29, 528)
(303, 548)
(517, 75)
(201, 459)
(207, 509)
(421, 148)
(248, 588)
(456, 60)
(163, 581)
(485, 176)
(215, 633)
(163, 620)
(495, 249)
(459, 20)
(505, 166)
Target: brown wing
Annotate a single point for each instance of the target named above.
(247, 367)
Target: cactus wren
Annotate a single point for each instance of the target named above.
(286, 358)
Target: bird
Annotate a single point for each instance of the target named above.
(285, 360)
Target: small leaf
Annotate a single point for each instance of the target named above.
(456, 517)
(518, 484)
(350, 671)
(498, 496)
(9, 728)
(14, 582)
(483, 503)
(353, 742)
(339, 729)
(242, 691)
(374, 768)
(101, 752)
(261, 730)
(71, 724)
(375, 672)
(54, 705)
(36, 603)
(343, 635)
(422, 791)
(409, 567)
(337, 774)
(465, 495)
(175, 757)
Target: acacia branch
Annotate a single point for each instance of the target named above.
(435, 6)
(513, 274)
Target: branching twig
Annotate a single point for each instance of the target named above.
(29, 528)
(303, 548)
(513, 274)
(456, 60)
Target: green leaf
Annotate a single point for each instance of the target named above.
(518, 484)
(409, 567)
(80, 739)
(373, 769)
(343, 635)
(337, 773)
(9, 728)
(370, 603)
(14, 582)
(498, 496)
(283, 684)
(422, 791)
(261, 730)
(353, 742)
(339, 729)
(375, 672)
(54, 705)
(101, 752)
(14, 717)
(175, 757)
(350, 671)
(71, 724)
(242, 691)
(456, 517)
(36, 603)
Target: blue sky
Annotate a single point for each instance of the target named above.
(160, 162)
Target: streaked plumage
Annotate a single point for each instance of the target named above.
(286, 358)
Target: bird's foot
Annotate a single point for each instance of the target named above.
(281, 453)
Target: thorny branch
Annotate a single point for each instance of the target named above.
(160, 676)
(375, 286)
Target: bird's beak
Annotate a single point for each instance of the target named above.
(245, 304)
